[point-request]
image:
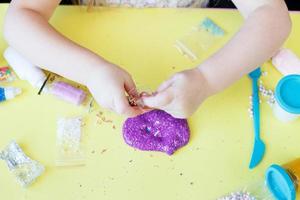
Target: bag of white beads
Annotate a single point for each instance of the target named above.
(253, 191)
(70, 149)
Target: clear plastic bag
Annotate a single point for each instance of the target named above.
(254, 191)
(199, 39)
(25, 169)
(70, 150)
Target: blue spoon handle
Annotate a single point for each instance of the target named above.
(255, 103)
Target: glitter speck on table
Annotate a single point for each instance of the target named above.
(156, 131)
(103, 151)
(101, 119)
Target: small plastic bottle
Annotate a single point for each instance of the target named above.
(287, 96)
(7, 93)
(283, 181)
(67, 92)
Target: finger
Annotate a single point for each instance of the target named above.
(176, 114)
(159, 100)
(122, 107)
(165, 85)
(130, 86)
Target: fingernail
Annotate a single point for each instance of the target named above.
(140, 103)
(133, 92)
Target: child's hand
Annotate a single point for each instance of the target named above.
(109, 85)
(181, 94)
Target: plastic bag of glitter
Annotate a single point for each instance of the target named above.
(254, 191)
(69, 146)
(200, 39)
(24, 169)
(6, 75)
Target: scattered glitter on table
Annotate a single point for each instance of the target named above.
(156, 131)
(101, 119)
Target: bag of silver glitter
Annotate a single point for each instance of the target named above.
(24, 169)
(254, 191)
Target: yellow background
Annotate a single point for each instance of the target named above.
(214, 162)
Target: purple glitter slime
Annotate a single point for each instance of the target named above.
(156, 131)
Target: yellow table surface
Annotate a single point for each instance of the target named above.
(214, 162)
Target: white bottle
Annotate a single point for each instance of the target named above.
(24, 69)
(8, 93)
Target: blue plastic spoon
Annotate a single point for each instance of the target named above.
(259, 146)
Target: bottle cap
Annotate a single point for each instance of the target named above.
(12, 92)
(280, 183)
(287, 93)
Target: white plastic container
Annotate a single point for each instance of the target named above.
(282, 114)
(287, 96)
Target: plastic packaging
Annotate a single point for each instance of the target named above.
(24, 169)
(69, 148)
(199, 39)
(255, 191)
(24, 69)
(287, 96)
(6, 75)
(67, 92)
(286, 62)
(283, 181)
(9, 93)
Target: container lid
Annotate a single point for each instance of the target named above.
(280, 183)
(287, 93)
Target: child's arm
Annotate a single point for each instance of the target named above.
(266, 27)
(27, 30)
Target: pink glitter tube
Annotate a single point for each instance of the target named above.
(67, 92)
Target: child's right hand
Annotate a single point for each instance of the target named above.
(109, 85)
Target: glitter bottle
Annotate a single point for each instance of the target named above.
(67, 92)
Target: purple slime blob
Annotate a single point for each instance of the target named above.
(156, 131)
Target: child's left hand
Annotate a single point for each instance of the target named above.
(181, 95)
